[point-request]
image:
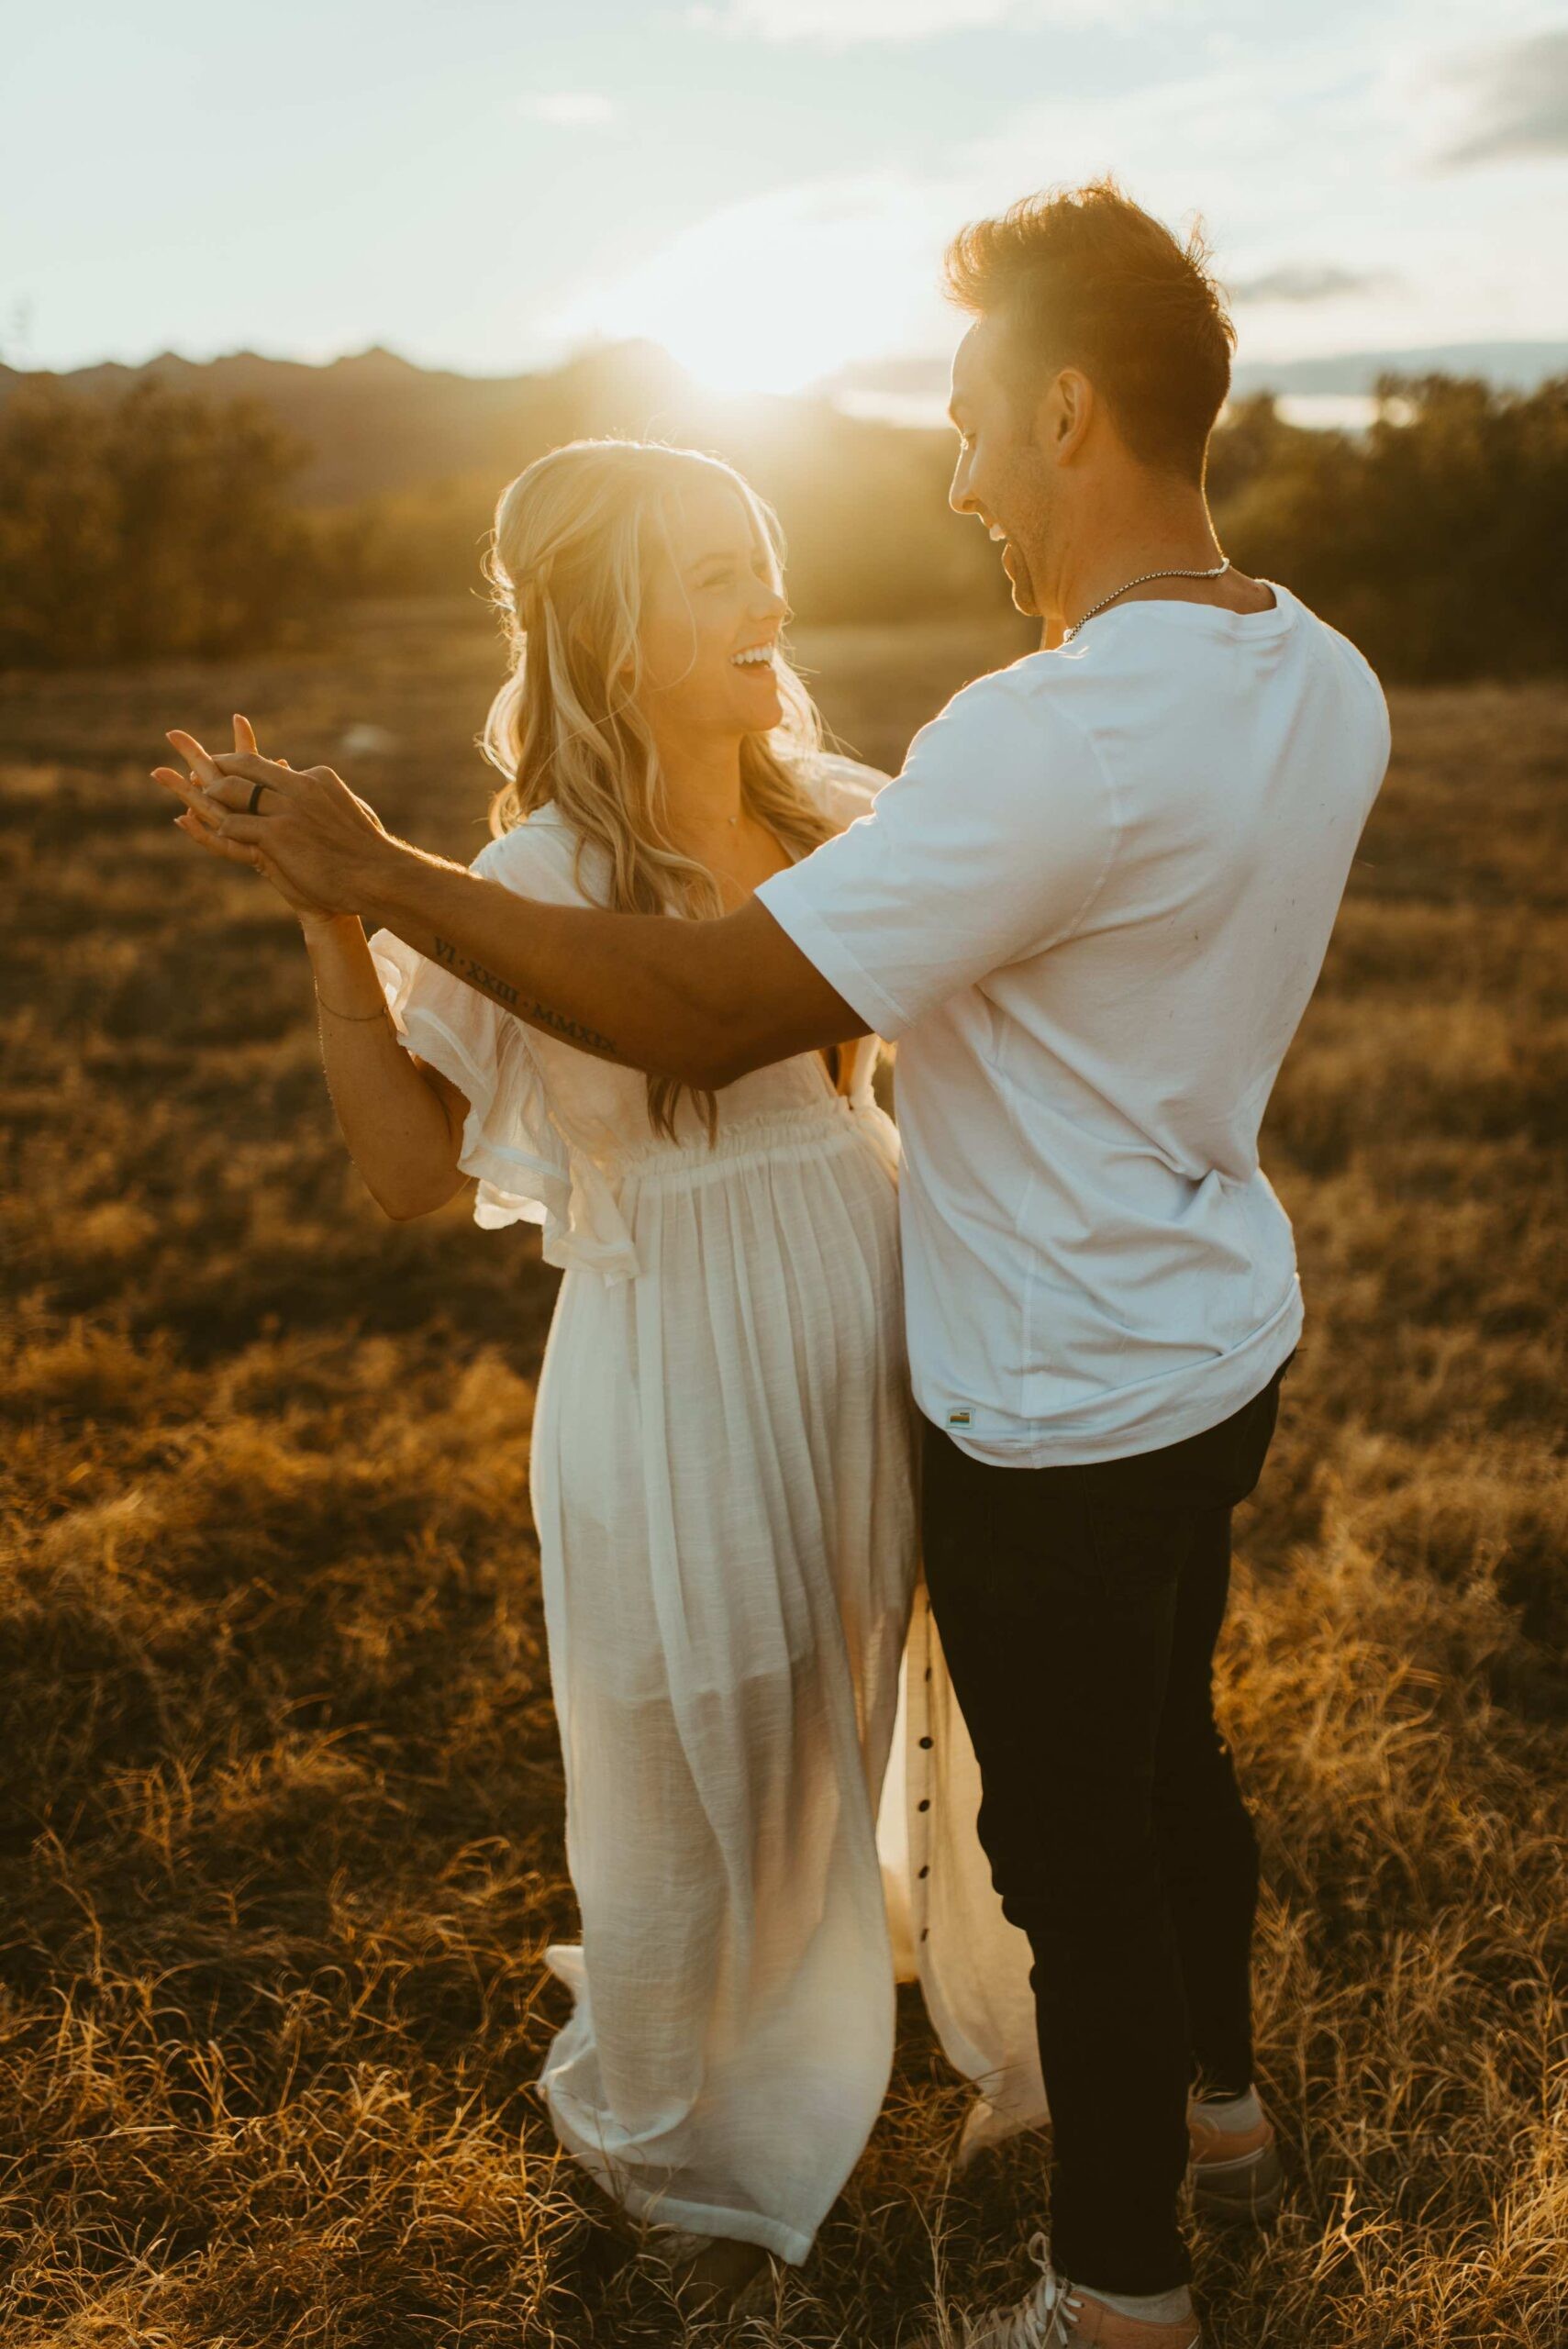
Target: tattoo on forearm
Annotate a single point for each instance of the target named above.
(462, 966)
(572, 1030)
(474, 974)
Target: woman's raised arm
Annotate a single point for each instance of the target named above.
(401, 1119)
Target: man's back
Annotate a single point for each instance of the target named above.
(1236, 749)
(1093, 909)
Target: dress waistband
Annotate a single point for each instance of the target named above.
(762, 1134)
(595, 1233)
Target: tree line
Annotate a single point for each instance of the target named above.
(160, 522)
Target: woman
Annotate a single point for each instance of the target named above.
(722, 1451)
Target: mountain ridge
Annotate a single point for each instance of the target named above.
(373, 422)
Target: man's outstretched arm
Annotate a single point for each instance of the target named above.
(700, 1001)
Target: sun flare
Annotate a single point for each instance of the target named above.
(773, 294)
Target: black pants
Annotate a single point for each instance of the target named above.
(1078, 1608)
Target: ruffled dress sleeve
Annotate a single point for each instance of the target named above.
(846, 788)
(512, 1141)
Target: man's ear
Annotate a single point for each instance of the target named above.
(1063, 417)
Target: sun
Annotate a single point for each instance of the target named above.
(773, 295)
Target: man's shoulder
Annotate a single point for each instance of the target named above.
(1351, 689)
(1022, 708)
(1004, 759)
(1322, 642)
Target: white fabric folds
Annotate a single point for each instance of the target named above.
(723, 1477)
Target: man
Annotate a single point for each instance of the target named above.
(1092, 910)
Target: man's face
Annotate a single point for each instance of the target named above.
(1000, 474)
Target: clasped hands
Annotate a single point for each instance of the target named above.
(321, 845)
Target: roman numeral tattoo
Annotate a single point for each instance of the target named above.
(540, 1015)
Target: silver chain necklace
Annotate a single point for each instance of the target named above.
(1142, 581)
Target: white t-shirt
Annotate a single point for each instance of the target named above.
(1091, 909)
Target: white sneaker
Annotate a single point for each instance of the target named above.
(1058, 2315)
(1236, 2173)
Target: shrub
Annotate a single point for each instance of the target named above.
(155, 523)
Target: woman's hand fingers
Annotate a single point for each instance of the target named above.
(236, 774)
(194, 828)
(236, 853)
(194, 753)
(245, 741)
(189, 789)
(296, 898)
(199, 822)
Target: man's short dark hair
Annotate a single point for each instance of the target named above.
(1084, 277)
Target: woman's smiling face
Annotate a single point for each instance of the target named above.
(712, 608)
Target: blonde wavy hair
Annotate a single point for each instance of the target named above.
(573, 539)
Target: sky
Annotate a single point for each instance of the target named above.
(763, 186)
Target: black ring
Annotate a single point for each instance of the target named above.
(256, 791)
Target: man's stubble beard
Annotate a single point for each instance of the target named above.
(1025, 596)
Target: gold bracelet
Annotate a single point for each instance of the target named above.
(379, 1013)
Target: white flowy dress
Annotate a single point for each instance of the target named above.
(723, 1476)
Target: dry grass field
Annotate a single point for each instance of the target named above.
(282, 1806)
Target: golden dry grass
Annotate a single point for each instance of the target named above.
(281, 1814)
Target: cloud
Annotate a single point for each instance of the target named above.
(1298, 158)
(1518, 103)
(840, 24)
(1309, 281)
(569, 109)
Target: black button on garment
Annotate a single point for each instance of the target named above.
(926, 1742)
(925, 1932)
(923, 1806)
(925, 1871)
